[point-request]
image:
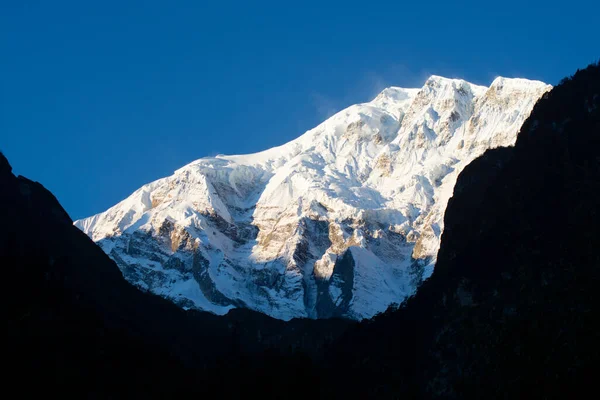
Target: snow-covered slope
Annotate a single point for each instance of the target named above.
(343, 221)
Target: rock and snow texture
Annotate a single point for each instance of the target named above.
(343, 221)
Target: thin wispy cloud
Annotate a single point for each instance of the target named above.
(392, 75)
(371, 83)
(324, 105)
(366, 88)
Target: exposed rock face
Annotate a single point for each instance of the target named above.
(268, 231)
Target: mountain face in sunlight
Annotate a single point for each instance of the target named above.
(342, 222)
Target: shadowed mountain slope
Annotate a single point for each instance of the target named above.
(76, 327)
(511, 308)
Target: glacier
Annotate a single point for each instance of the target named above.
(343, 221)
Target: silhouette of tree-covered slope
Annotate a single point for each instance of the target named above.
(511, 308)
(76, 327)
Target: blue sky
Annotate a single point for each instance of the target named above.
(98, 98)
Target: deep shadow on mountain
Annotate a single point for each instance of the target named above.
(509, 312)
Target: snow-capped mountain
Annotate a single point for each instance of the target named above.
(343, 221)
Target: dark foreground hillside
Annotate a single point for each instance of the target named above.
(509, 312)
(75, 327)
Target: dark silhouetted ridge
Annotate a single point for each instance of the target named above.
(77, 328)
(511, 308)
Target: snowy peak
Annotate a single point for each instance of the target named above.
(394, 97)
(439, 83)
(342, 221)
(516, 84)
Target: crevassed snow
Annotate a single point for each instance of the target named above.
(269, 230)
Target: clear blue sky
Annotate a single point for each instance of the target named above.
(98, 98)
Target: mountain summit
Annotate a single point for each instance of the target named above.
(343, 221)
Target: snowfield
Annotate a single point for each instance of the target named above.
(343, 221)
